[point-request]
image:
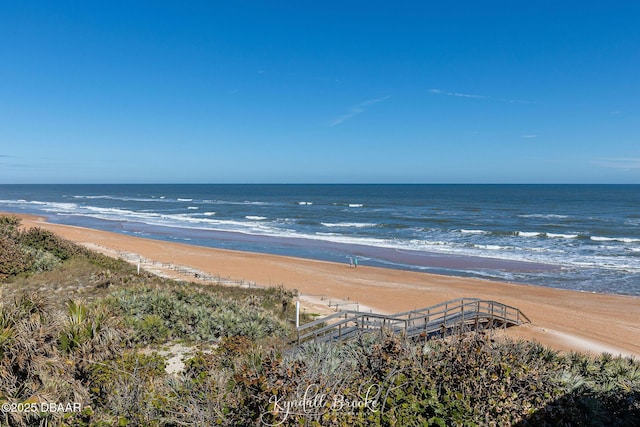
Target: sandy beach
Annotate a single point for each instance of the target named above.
(565, 320)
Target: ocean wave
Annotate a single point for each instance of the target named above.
(94, 197)
(255, 217)
(14, 202)
(305, 203)
(528, 234)
(416, 244)
(545, 250)
(545, 216)
(121, 198)
(394, 226)
(184, 200)
(463, 231)
(237, 203)
(349, 224)
(110, 214)
(57, 207)
(287, 221)
(495, 247)
(627, 264)
(615, 239)
(562, 236)
(252, 226)
(193, 208)
(350, 205)
(503, 233)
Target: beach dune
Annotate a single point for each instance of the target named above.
(565, 320)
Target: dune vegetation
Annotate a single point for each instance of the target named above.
(86, 340)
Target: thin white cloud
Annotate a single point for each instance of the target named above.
(529, 136)
(356, 110)
(458, 94)
(625, 163)
(476, 96)
(466, 95)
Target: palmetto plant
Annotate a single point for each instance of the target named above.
(31, 369)
(90, 334)
(76, 328)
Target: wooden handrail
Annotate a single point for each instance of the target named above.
(425, 320)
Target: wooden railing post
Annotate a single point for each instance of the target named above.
(492, 316)
(504, 317)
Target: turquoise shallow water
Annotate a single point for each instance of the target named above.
(584, 237)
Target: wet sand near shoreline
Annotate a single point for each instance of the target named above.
(562, 319)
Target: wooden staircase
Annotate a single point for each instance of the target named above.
(463, 314)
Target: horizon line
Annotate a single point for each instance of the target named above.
(318, 183)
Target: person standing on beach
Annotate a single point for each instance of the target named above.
(350, 262)
(355, 262)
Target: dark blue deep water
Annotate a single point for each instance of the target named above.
(584, 237)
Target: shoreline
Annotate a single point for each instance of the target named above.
(562, 319)
(448, 264)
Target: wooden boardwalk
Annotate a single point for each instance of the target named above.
(439, 320)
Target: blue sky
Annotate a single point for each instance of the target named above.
(330, 91)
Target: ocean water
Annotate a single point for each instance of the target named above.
(582, 237)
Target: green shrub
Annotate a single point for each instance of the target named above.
(130, 390)
(13, 258)
(47, 241)
(150, 329)
(42, 260)
(9, 222)
(193, 315)
(32, 250)
(465, 380)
